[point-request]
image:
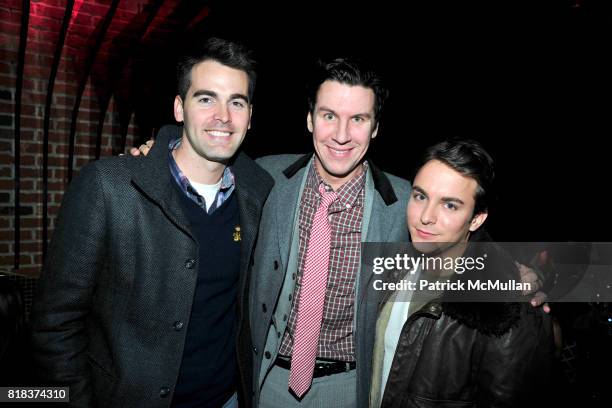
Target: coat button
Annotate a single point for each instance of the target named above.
(275, 265)
(268, 355)
(190, 263)
(178, 325)
(255, 350)
(164, 392)
(264, 308)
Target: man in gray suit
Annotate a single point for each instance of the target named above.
(345, 103)
(141, 303)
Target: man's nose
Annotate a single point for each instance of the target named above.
(343, 133)
(222, 114)
(429, 215)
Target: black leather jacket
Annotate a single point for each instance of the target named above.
(457, 354)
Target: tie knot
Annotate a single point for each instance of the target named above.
(327, 196)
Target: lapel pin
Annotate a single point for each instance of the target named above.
(237, 233)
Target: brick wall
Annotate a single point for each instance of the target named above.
(110, 69)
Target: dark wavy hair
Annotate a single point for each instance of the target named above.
(469, 158)
(225, 52)
(350, 71)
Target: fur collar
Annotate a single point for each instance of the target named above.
(490, 318)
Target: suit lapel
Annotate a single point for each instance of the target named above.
(290, 194)
(377, 227)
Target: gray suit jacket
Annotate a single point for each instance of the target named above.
(115, 297)
(276, 259)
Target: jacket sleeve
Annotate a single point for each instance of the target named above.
(65, 289)
(515, 368)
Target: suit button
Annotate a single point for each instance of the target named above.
(164, 392)
(178, 325)
(275, 265)
(267, 354)
(190, 263)
(264, 308)
(293, 276)
(255, 350)
(284, 318)
(290, 297)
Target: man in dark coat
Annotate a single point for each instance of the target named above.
(141, 302)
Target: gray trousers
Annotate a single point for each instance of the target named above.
(332, 391)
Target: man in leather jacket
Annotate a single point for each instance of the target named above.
(444, 352)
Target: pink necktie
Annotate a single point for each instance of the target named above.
(312, 298)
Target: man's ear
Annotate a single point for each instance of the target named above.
(309, 123)
(375, 131)
(478, 220)
(178, 109)
(250, 115)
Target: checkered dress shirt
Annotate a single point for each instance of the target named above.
(336, 340)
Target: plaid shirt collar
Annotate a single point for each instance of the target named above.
(228, 183)
(348, 193)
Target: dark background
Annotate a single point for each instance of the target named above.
(528, 79)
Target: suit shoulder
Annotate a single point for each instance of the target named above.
(252, 174)
(246, 163)
(401, 186)
(277, 161)
(275, 164)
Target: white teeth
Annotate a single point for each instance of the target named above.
(218, 133)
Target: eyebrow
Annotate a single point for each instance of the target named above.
(419, 189)
(204, 92)
(452, 200)
(365, 114)
(444, 199)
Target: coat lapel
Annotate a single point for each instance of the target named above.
(153, 178)
(252, 187)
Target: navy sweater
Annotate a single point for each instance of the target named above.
(208, 373)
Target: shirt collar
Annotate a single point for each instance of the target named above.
(227, 179)
(348, 193)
